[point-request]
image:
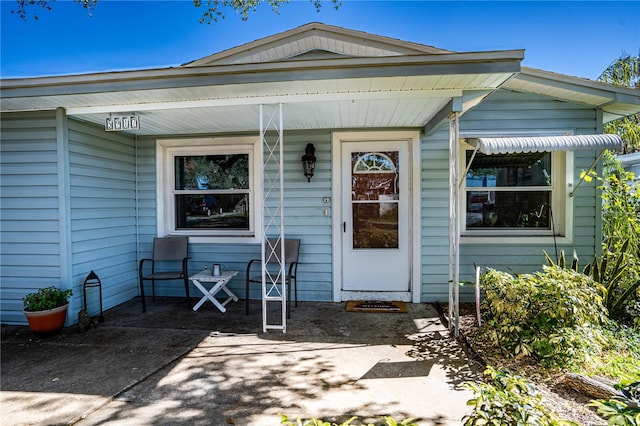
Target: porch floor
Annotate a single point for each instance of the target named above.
(175, 366)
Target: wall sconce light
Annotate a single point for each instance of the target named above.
(309, 161)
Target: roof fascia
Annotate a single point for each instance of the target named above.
(582, 85)
(456, 63)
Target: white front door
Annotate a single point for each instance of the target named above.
(376, 256)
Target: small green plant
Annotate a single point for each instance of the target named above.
(508, 400)
(621, 411)
(388, 421)
(46, 298)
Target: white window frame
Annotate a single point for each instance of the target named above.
(561, 203)
(168, 149)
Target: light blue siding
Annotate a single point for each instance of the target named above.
(30, 252)
(304, 219)
(103, 213)
(435, 216)
(68, 207)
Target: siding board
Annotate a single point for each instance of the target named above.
(29, 208)
(103, 217)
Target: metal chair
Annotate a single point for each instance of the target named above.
(291, 252)
(166, 251)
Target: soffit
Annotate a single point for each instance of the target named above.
(401, 101)
(615, 101)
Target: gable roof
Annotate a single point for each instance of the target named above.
(313, 41)
(324, 76)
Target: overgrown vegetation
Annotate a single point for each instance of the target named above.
(584, 319)
(618, 268)
(553, 316)
(388, 421)
(508, 400)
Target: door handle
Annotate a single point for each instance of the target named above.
(344, 227)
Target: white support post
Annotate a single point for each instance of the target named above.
(274, 294)
(454, 224)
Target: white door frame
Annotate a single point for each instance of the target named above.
(413, 139)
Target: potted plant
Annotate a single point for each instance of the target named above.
(46, 309)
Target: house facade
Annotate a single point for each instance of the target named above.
(409, 190)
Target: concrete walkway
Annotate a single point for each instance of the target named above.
(174, 366)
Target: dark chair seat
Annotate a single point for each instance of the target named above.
(169, 253)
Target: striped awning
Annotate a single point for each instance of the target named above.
(546, 143)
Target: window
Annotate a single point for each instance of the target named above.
(515, 194)
(208, 188)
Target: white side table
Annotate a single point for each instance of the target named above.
(220, 283)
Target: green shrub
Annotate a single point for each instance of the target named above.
(388, 421)
(621, 241)
(553, 315)
(619, 273)
(510, 401)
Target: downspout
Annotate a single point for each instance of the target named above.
(137, 202)
(454, 223)
(597, 193)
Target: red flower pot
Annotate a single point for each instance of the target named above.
(47, 322)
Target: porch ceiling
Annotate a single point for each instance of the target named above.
(397, 101)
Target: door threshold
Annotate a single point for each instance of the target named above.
(402, 296)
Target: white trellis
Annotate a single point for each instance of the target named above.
(273, 281)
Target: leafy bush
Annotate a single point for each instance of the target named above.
(621, 241)
(553, 315)
(46, 298)
(619, 273)
(508, 400)
(388, 421)
(622, 411)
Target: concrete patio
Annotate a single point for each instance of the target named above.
(175, 366)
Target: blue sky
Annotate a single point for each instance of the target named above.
(574, 38)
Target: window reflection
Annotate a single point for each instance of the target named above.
(509, 191)
(212, 192)
(507, 170)
(212, 211)
(375, 197)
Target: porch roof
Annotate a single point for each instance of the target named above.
(323, 93)
(325, 77)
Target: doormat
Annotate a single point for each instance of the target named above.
(375, 306)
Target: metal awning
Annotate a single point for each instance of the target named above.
(546, 143)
